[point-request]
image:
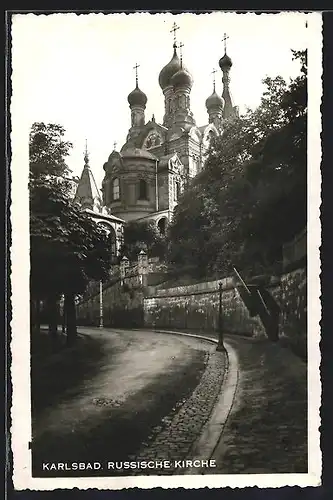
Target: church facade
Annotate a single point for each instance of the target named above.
(144, 179)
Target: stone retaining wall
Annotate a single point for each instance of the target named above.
(196, 307)
(122, 305)
(131, 303)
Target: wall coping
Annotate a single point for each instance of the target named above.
(207, 287)
(194, 289)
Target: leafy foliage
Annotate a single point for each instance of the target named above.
(254, 180)
(143, 236)
(48, 151)
(67, 247)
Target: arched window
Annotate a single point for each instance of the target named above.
(143, 190)
(115, 189)
(162, 225)
(211, 135)
(112, 237)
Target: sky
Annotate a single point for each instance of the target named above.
(77, 70)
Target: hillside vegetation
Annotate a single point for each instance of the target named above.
(251, 196)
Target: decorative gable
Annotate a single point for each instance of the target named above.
(152, 140)
(114, 163)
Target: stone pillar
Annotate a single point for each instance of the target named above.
(124, 265)
(143, 267)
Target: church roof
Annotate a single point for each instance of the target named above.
(137, 153)
(107, 217)
(169, 70)
(214, 101)
(87, 193)
(137, 98)
(154, 125)
(182, 78)
(225, 62)
(138, 140)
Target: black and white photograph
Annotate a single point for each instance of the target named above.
(165, 213)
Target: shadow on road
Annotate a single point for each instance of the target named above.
(73, 423)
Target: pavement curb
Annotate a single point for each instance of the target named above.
(211, 435)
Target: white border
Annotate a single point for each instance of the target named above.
(20, 344)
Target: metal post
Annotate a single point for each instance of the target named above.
(101, 323)
(220, 346)
(63, 314)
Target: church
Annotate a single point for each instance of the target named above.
(144, 179)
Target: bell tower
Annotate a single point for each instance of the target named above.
(182, 82)
(225, 63)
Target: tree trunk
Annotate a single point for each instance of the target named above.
(52, 311)
(37, 315)
(70, 314)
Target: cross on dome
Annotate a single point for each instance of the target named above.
(213, 73)
(114, 146)
(137, 97)
(225, 62)
(136, 73)
(224, 39)
(181, 45)
(173, 30)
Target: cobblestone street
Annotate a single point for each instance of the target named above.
(148, 398)
(174, 439)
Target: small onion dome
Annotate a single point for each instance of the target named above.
(214, 101)
(225, 62)
(169, 70)
(137, 98)
(182, 79)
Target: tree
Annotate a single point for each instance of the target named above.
(254, 178)
(47, 169)
(67, 247)
(143, 236)
(48, 151)
(278, 175)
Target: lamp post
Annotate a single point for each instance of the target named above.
(63, 314)
(101, 323)
(220, 346)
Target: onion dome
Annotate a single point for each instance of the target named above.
(214, 101)
(169, 70)
(182, 78)
(225, 62)
(137, 98)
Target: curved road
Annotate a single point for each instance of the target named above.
(131, 385)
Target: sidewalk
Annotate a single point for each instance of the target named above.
(267, 428)
(266, 431)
